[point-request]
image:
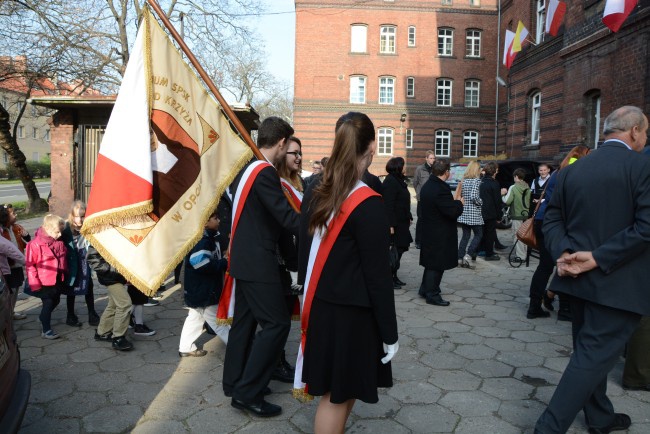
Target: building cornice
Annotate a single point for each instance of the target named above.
(469, 10)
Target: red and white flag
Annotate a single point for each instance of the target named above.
(554, 16)
(616, 12)
(166, 157)
(508, 54)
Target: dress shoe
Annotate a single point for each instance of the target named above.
(621, 422)
(73, 321)
(106, 337)
(645, 388)
(437, 301)
(501, 247)
(422, 294)
(537, 313)
(261, 409)
(399, 282)
(93, 319)
(267, 391)
(493, 257)
(122, 344)
(282, 374)
(548, 302)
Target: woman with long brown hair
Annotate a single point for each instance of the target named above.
(348, 317)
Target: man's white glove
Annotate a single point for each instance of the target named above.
(294, 277)
(390, 351)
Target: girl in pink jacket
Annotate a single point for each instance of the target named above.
(45, 262)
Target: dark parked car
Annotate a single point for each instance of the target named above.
(504, 178)
(16, 382)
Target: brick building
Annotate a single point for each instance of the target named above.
(561, 89)
(424, 71)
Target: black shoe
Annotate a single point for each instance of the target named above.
(121, 344)
(262, 409)
(286, 364)
(106, 337)
(564, 315)
(473, 257)
(267, 391)
(437, 301)
(621, 422)
(282, 374)
(493, 257)
(396, 286)
(418, 246)
(93, 319)
(73, 321)
(501, 247)
(537, 313)
(397, 281)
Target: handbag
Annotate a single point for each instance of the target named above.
(526, 232)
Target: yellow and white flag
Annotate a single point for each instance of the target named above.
(167, 156)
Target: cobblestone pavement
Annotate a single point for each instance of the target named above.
(476, 366)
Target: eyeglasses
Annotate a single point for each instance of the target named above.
(295, 153)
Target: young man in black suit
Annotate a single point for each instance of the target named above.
(259, 296)
(600, 240)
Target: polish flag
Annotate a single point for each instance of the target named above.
(616, 12)
(555, 15)
(508, 54)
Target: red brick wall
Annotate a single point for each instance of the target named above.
(62, 141)
(324, 65)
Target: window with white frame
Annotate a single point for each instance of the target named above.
(409, 139)
(473, 43)
(387, 39)
(470, 144)
(535, 116)
(443, 92)
(410, 87)
(47, 135)
(21, 132)
(385, 141)
(472, 92)
(386, 90)
(357, 89)
(411, 42)
(358, 38)
(443, 143)
(34, 132)
(445, 42)
(541, 21)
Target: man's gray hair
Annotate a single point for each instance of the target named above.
(624, 119)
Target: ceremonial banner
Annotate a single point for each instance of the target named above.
(166, 157)
(554, 17)
(616, 12)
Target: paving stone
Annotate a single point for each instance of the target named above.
(491, 332)
(186, 383)
(46, 391)
(507, 388)
(538, 375)
(33, 413)
(410, 370)
(78, 404)
(464, 338)
(421, 332)
(485, 424)
(489, 368)
(121, 363)
(69, 371)
(134, 393)
(185, 405)
(101, 381)
(504, 344)
(269, 427)
(478, 322)
(53, 425)
(452, 327)
(159, 427)
(152, 372)
(475, 352)
(454, 380)
(529, 336)
(519, 359)
(427, 418)
(415, 392)
(387, 407)
(303, 418)
(377, 427)
(112, 419)
(443, 360)
(470, 403)
(92, 354)
(521, 413)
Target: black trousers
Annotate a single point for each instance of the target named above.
(251, 358)
(599, 336)
(489, 235)
(430, 286)
(545, 267)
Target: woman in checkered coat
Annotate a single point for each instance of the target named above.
(471, 219)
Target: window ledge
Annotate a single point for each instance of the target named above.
(474, 58)
(358, 53)
(530, 147)
(444, 56)
(386, 54)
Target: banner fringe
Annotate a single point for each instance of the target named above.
(302, 396)
(122, 216)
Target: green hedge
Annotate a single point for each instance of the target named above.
(36, 168)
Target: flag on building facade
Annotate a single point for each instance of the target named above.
(616, 12)
(555, 16)
(520, 37)
(166, 157)
(508, 54)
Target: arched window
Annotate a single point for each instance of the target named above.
(357, 89)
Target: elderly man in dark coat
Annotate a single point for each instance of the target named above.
(439, 235)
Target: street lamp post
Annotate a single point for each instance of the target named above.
(496, 103)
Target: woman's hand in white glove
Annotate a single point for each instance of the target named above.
(390, 350)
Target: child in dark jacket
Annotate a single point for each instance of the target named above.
(204, 269)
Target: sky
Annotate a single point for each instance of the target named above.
(277, 29)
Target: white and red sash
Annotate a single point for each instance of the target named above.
(293, 192)
(226, 308)
(318, 255)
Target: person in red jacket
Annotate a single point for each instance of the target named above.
(45, 262)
